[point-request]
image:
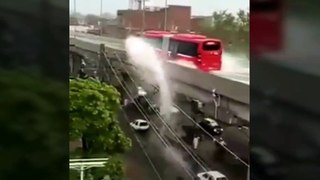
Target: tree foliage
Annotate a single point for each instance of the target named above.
(93, 119)
(114, 165)
(233, 30)
(33, 120)
(93, 111)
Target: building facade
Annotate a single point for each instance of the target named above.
(178, 18)
(197, 23)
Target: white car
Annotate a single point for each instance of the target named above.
(174, 110)
(211, 175)
(141, 91)
(140, 125)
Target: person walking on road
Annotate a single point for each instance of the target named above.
(196, 140)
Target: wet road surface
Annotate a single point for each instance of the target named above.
(175, 160)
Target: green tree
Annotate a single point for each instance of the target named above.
(93, 114)
(233, 30)
(33, 125)
(114, 165)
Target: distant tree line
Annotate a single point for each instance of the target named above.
(233, 30)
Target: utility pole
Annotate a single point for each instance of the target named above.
(216, 102)
(165, 15)
(143, 16)
(75, 11)
(101, 5)
(74, 6)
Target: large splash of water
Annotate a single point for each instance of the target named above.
(150, 68)
(234, 63)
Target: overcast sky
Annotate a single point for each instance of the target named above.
(199, 7)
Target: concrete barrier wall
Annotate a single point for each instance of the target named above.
(228, 109)
(226, 87)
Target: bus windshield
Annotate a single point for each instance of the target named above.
(211, 46)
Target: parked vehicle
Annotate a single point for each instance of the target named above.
(211, 126)
(211, 175)
(140, 125)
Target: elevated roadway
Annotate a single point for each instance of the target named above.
(233, 88)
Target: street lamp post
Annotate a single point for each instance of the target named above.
(143, 15)
(101, 5)
(216, 100)
(75, 11)
(165, 15)
(74, 6)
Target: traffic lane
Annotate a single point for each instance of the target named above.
(137, 164)
(174, 137)
(180, 155)
(165, 163)
(216, 157)
(213, 156)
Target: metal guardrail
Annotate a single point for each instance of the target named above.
(95, 37)
(83, 164)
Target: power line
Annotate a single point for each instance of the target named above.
(143, 114)
(193, 155)
(143, 149)
(190, 118)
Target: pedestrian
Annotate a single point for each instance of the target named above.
(126, 102)
(196, 140)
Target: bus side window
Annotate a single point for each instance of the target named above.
(188, 48)
(173, 46)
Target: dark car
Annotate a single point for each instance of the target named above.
(211, 126)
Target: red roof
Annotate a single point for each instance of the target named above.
(195, 40)
(192, 36)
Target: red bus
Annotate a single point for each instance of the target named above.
(203, 52)
(155, 38)
(266, 18)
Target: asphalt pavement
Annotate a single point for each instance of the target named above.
(149, 155)
(172, 157)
